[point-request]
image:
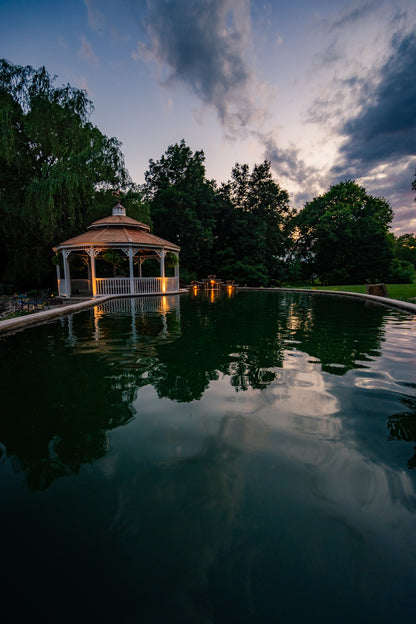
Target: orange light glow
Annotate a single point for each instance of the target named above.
(98, 313)
(165, 305)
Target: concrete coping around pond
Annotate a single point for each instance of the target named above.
(20, 322)
(34, 318)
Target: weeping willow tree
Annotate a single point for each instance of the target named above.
(54, 164)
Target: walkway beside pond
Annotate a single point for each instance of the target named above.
(21, 322)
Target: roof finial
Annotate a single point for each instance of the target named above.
(118, 209)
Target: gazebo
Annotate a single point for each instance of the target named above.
(118, 232)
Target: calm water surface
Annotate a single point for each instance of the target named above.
(210, 459)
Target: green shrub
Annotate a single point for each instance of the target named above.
(338, 276)
(401, 272)
(186, 276)
(7, 289)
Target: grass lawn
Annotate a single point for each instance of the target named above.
(404, 292)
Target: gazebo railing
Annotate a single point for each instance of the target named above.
(141, 285)
(112, 285)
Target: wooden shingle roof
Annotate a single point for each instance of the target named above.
(117, 229)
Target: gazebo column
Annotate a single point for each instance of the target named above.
(176, 270)
(67, 272)
(141, 260)
(58, 278)
(131, 271)
(162, 262)
(130, 253)
(93, 252)
(161, 254)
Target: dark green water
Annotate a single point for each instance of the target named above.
(235, 460)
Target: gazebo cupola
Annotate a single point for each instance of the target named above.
(121, 233)
(119, 210)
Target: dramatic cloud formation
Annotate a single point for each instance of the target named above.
(385, 128)
(324, 90)
(206, 44)
(380, 139)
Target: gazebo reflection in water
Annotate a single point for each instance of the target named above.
(131, 311)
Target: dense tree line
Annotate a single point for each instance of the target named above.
(58, 173)
(245, 229)
(238, 230)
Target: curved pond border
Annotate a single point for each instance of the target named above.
(21, 322)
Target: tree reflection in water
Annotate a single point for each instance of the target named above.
(78, 378)
(226, 460)
(403, 426)
(183, 531)
(248, 337)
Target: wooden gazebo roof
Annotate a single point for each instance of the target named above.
(117, 229)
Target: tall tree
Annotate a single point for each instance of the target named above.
(53, 160)
(405, 248)
(183, 204)
(344, 234)
(254, 240)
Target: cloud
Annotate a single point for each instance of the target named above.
(304, 181)
(331, 54)
(393, 180)
(83, 84)
(285, 161)
(384, 129)
(96, 19)
(355, 14)
(169, 106)
(86, 52)
(205, 44)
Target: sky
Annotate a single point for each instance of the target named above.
(323, 89)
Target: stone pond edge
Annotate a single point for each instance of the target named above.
(36, 318)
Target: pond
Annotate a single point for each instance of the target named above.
(230, 458)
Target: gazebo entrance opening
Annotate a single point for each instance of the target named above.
(115, 257)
